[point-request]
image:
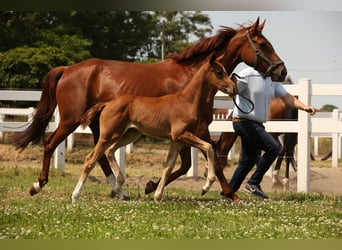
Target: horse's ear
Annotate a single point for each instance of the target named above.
(212, 58)
(261, 26)
(220, 58)
(254, 27)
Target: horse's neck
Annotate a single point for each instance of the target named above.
(232, 57)
(196, 91)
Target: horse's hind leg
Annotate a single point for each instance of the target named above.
(286, 180)
(120, 179)
(89, 164)
(276, 183)
(104, 163)
(130, 135)
(183, 169)
(170, 163)
(63, 130)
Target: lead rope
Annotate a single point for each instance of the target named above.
(246, 98)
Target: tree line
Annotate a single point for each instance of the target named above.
(33, 42)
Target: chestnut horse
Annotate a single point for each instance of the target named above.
(174, 117)
(78, 87)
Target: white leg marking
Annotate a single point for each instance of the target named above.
(37, 187)
(170, 163)
(77, 191)
(211, 171)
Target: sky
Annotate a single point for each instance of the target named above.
(309, 42)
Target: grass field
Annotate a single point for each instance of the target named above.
(182, 214)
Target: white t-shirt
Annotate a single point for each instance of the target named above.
(260, 91)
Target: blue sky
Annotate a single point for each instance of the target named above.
(309, 42)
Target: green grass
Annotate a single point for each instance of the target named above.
(181, 214)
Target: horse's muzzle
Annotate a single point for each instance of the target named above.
(279, 74)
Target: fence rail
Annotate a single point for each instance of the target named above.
(305, 126)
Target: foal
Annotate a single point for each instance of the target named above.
(175, 117)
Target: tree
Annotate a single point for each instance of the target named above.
(176, 30)
(25, 67)
(34, 42)
(328, 107)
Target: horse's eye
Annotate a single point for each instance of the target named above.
(219, 74)
(262, 45)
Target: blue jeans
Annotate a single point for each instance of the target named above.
(254, 138)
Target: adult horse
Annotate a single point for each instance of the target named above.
(174, 117)
(78, 87)
(280, 111)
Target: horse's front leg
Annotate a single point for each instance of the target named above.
(226, 189)
(175, 148)
(191, 139)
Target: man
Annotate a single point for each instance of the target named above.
(249, 127)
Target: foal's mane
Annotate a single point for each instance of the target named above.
(204, 47)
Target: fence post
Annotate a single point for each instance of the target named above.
(304, 130)
(193, 171)
(120, 156)
(70, 141)
(59, 159)
(335, 146)
(316, 145)
(2, 117)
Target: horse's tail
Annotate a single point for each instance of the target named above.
(91, 113)
(43, 112)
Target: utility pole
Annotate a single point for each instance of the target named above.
(162, 33)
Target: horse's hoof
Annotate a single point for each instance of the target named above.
(276, 185)
(204, 192)
(33, 191)
(125, 197)
(150, 187)
(112, 194)
(205, 173)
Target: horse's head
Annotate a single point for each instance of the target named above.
(218, 77)
(258, 52)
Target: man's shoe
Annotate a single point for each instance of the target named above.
(255, 190)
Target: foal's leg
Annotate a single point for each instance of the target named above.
(191, 139)
(104, 163)
(131, 135)
(183, 169)
(170, 163)
(89, 164)
(226, 189)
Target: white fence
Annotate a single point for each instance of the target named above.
(306, 126)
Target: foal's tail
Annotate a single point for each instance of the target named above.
(91, 113)
(44, 110)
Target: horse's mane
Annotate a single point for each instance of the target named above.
(204, 47)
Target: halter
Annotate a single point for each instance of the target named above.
(258, 53)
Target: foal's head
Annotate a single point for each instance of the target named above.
(217, 76)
